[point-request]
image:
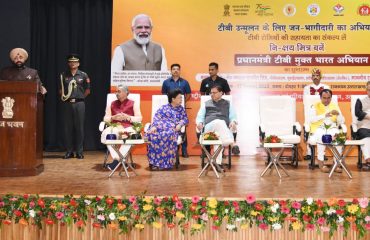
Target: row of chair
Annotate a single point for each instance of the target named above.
(278, 117)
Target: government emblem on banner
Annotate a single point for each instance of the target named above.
(226, 10)
(338, 10)
(289, 10)
(313, 9)
(363, 10)
(8, 104)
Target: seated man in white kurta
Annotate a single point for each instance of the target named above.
(217, 115)
(124, 112)
(329, 113)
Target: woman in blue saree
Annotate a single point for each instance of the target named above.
(163, 132)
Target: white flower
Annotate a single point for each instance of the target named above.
(112, 216)
(274, 207)
(100, 208)
(226, 210)
(87, 202)
(32, 213)
(101, 217)
(330, 211)
(230, 226)
(276, 226)
(340, 219)
(204, 217)
(309, 200)
(239, 219)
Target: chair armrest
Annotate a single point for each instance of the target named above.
(146, 127)
(354, 129)
(298, 128)
(306, 131)
(262, 132)
(102, 126)
(183, 128)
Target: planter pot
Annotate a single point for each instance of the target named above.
(111, 136)
(327, 138)
(135, 136)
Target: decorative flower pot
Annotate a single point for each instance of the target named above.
(135, 136)
(327, 138)
(111, 136)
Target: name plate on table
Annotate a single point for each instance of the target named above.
(273, 145)
(210, 142)
(354, 142)
(134, 141)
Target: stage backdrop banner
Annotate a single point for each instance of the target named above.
(261, 48)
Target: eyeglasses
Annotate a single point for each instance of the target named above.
(143, 27)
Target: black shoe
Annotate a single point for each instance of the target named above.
(235, 150)
(366, 167)
(69, 155)
(80, 156)
(326, 158)
(111, 166)
(307, 157)
(220, 168)
(185, 155)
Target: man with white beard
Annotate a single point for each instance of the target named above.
(139, 53)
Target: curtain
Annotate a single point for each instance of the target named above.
(72, 26)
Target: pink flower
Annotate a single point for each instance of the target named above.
(310, 226)
(321, 221)
(32, 204)
(285, 210)
(204, 217)
(325, 229)
(101, 217)
(367, 218)
(195, 199)
(2, 204)
(364, 202)
(235, 204)
(296, 205)
(59, 215)
(13, 199)
(367, 225)
(135, 207)
(179, 205)
(157, 201)
(251, 198)
(132, 199)
(263, 226)
(260, 217)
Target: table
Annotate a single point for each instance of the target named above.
(123, 161)
(339, 160)
(211, 163)
(275, 157)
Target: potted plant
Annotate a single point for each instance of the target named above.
(111, 135)
(137, 126)
(326, 138)
(339, 138)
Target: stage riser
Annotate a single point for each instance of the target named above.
(58, 232)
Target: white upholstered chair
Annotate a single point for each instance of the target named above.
(354, 127)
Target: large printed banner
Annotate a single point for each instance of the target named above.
(261, 48)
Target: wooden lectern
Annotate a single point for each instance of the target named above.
(21, 129)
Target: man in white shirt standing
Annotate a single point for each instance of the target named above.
(139, 53)
(314, 89)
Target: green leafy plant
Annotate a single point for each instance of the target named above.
(112, 125)
(339, 138)
(210, 136)
(137, 126)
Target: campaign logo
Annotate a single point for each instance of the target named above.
(363, 10)
(227, 10)
(289, 10)
(313, 9)
(338, 10)
(263, 10)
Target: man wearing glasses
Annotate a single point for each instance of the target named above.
(217, 115)
(139, 53)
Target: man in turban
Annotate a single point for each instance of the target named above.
(18, 71)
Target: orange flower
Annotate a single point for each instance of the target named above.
(271, 202)
(159, 210)
(332, 202)
(23, 221)
(351, 219)
(112, 226)
(121, 206)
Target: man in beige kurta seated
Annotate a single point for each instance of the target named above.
(324, 112)
(124, 112)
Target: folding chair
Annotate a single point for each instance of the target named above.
(203, 99)
(354, 127)
(157, 102)
(278, 117)
(308, 101)
(110, 98)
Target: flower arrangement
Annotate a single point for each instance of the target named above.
(210, 136)
(188, 213)
(272, 139)
(137, 126)
(339, 138)
(326, 126)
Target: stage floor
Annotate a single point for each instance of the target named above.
(87, 177)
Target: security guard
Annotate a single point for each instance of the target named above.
(74, 88)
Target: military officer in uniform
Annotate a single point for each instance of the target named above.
(74, 88)
(18, 71)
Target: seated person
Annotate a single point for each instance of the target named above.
(326, 112)
(362, 111)
(123, 111)
(314, 89)
(164, 131)
(217, 115)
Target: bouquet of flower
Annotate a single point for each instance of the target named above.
(210, 136)
(124, 135)
(339, 138)
(137, 126)
(272, 139)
